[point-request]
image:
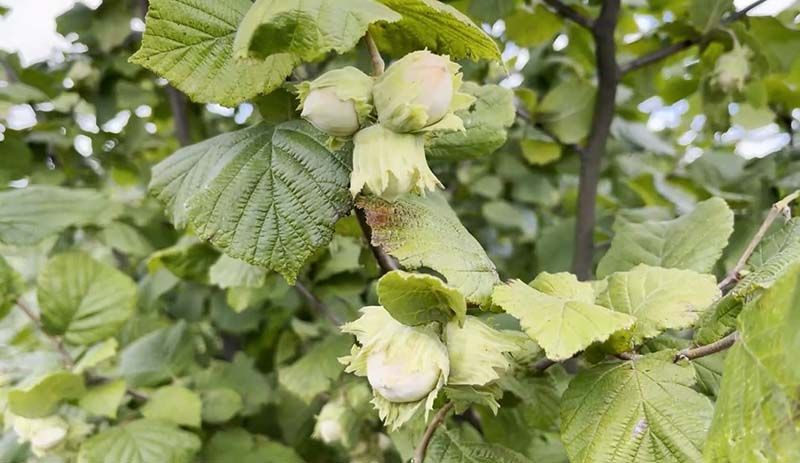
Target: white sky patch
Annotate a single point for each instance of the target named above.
(117, 123)
(219, 109)
(243, 112)
(560, 42)
(20, 117)
(83, 145)
(143, 111)
(768, 8)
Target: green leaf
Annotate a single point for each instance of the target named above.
(174, 404)
(221, 404)
(11, 287)
(418, 299)
(314, 372)
(567, 109)
(104, 399)
(140, 441)
(772, 258)
(529, 29)
(706, 14)
(447, 447)
(191, 45)
(29, 215)
(158, 356)
(436, 26)
(41, 396)
(189, 259)
(559, 313)
(306, 29)
(539, 152)
(693, 242)
(127, 239)
(238, 445)
(266, 195)
(755, 417)
(659, 298)
(96, 354)
(82, 299)
(486, 125)
(643, 410)
(240, 376)
(425, 232)
(228, 272)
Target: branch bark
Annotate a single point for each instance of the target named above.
(570, 13)
(677, 47)
(316, 305)
(708, 349)
(180, 115)
(776, 210)
(422, 447)
(385, 261)
(592, 155)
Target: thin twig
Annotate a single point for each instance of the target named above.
(385, 261)
(69, 362)
(375, 55)
(316, 305)
(677, 47)
(776, 210)
(422, 448)
(180, 115)
(542, 364)
(708, 349)
(570, 13)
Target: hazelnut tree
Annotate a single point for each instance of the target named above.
(403, 230)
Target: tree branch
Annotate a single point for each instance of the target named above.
(708, 349)
(422, 448)
(180, 115)
(570, 13)
(677, 47)
(375, 55)
(592, 155)
(385, 261)
(776, 210)
(69, 362)
(316, 305)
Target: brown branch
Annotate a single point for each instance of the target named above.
(385, 261)
(569, 13)
(593, 153)
(776, 210)
(708, 349)
(180, 115)
(69, 362)
(677, 47)
(375, 55)
(317, 305)
(422, 448)
(542, 364)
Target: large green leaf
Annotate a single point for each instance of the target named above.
(642, 410)
(306, 29)
(756, 415)
(436, 26)
(447, 447)
(41, 396)
(190, 43)
(486, 124)
(82, 299)
(425, 232)
(241, 376)
(266, 195)
(659, 298)
(694, 241)
(29, 215)
(418, 299)
(228, 272)
(314, 372)
(140, 441)
(158, 356)
(559, 313)
(706, 14)
(772, 258)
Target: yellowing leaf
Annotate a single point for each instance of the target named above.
(564, 320)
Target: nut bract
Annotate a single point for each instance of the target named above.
(389, 164)
(406, 366)
(420, 91)
(479, 353)
(338, 102)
